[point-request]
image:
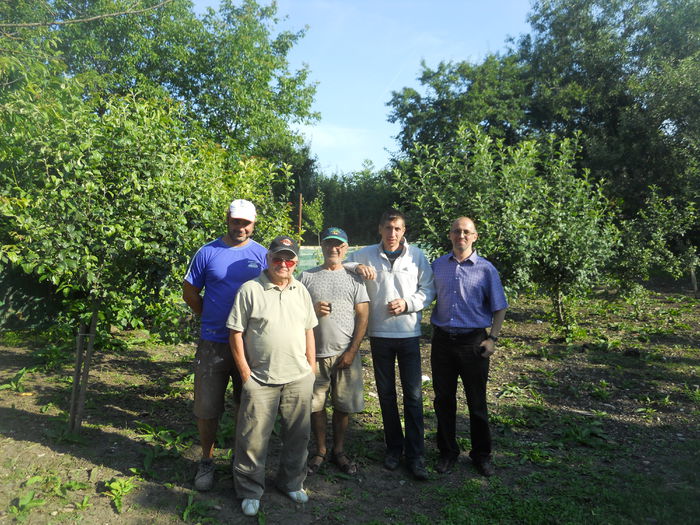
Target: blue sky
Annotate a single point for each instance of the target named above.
(359, 51)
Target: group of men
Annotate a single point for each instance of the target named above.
(289, 344)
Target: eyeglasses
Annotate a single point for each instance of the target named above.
(288, 263)
(465, 232)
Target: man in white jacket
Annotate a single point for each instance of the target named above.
(402, 288)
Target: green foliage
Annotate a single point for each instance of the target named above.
(117, 488)
(656, 239)
(170, 439)
(313, 218)
(623, 74)
(540, 220)
(228, 67)
(692, 393)
(356, 201)
(492, 94)
(582, 433)
(125, 195)
(24, 505)
(197, 511)
(15, 384)
(108, 149)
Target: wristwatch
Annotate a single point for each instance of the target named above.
(492, 337)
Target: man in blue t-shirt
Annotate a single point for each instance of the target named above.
(219, 268)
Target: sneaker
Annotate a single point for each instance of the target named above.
(391, 461)
(485, 468)
(250, 507)
(204, 479)
(298, 496)
(418, 470)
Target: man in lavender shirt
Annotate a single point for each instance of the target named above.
(470, 299)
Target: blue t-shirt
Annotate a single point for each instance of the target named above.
(220, 270)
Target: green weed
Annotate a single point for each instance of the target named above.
(48, 406)
(646, 412)
(537, 454)
(601, 391)
(149, 456)
(197, 511)
(24, 505)
(53, 356)
(588, 434)
(15, 384)
(167, 438)
(226, 431)
(512, 390)
(54, 485)
(692, 393)
(117, 488)
(84, 504)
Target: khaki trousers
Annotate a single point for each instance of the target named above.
(260, 404)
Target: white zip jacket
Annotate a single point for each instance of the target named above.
(411, 279)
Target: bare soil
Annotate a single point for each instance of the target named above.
(619, 393)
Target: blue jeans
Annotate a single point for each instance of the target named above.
(385, 353)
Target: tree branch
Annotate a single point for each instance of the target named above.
(90, 19)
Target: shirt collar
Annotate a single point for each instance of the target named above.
(268, 285)
(404, 247)
(472, 258)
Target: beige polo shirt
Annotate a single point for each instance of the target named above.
(274, 324)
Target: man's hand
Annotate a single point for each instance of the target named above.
(490, 347)
(322, 308)
(397, 306)
(245, 375)
(368, 273)
(345, 360)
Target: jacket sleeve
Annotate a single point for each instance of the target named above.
(425, 292)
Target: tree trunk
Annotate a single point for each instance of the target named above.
(79, 351)
(559, 308)
(81, 373)
(694, 280)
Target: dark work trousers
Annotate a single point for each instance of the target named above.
(385, 353)
(456, 356)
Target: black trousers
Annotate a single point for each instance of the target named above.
(456, 356)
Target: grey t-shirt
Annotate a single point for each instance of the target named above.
(343, 290)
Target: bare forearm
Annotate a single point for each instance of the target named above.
(192, 298)
(311, 349)
(238, 351)
(498, 318)
(361, 321)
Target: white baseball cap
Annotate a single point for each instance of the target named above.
(242, 209)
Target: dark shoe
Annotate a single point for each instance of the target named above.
(485, 468)
(417, 467)
(445, 464)
(391, 461)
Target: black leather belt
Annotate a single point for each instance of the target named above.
(456, 333)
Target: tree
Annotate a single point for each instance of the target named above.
(543, 224)
(107, 199)
(595, 67)
(622, 73)
(228, 68)
(491, 94)
(356, 201)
